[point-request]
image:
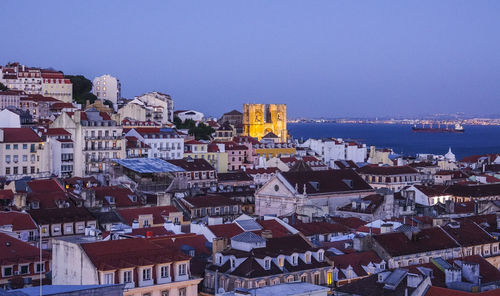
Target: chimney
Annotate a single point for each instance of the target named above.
(386, 228)
(218, 245)
(267, 234)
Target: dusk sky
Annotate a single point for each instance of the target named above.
(322, 58)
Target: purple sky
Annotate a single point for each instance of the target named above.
(322, 58)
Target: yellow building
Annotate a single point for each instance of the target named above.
(271, 150)
(260, 120)
(210, 152)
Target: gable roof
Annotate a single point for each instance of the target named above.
(19, 220)
(158, 213)
(328, 181)
(115, 254)
(386, 170)
(20, 135)
(429, 239)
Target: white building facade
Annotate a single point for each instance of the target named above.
(107, 87)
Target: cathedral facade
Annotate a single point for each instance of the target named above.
(260, 120)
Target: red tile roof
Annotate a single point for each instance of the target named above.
(350, 222)
(19, 221)
(314, 228)
(57, 132)
(386, 170)
(467, 233)
(20, 135)
(439, 291)
(6, 194)
(328, 181)
(39, 98)
(158, 213)
(61, 215)
(45, 186)
(429, 239)
(192, 165)
(14, 251)
(132, 252)
(225, 230)
(276, 228)
(122, 196)
(210, 201)
(356, 261)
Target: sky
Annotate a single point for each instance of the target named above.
(322, 58)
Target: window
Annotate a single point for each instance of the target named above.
(127, 276)
(329, 278)
(7, 271)
(280, 262)
(308, 258)
(303, 278)
(267, 264)
(7, 158)
(69, 228)
(182, 292)
(294, 259)
(7, 146)
(15, 146)
(182, 269)
(108, 278)
(25, 146)
(40, 267)
(316, 279)
(16, 158)
(321, 256)
(7, 171)
(164, 293)
(24, 269)
(164, 271)
(146, 274)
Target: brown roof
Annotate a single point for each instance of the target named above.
(328, 181)
(20, 135)
(191, 165)
(430, 191)
(61, 215)
(158, 212)
(19, 221)
(14, 251)
(429, 239)
(132, 252)
(386, 170)
(467, 233)
(210, 201)
(314, 228)
(482, 190)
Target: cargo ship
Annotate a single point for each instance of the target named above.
(457, 128)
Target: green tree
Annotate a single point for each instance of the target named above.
(82, 88)
(108, 103)
(3, 87)
(200, 131)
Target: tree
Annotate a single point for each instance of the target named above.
(82, 88)
(200, 131)
(3, 87)
(109, 104)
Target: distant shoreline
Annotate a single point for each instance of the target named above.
(418, 122)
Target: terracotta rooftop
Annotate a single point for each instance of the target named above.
(20, 135)
(158, 213)
(328, 181)
(386, 170)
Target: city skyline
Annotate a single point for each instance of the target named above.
(341, 59)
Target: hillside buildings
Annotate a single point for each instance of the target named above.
(31, 80)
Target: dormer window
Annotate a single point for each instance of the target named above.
(267, 264)
(281, 262)
(295, 259)
(146, 274)
(110, 199)
(308, 257)
(233, 263)
(321, 256)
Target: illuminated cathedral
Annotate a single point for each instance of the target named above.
(260, 120)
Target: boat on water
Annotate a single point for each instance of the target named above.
(457, 128)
